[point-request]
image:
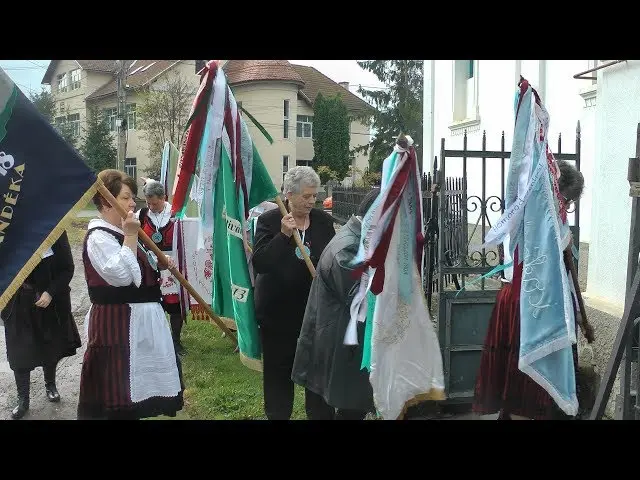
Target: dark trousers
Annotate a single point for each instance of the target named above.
(278, 353)
(23, 380)
(175, 319)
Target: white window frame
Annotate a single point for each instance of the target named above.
(110, 115)
(76, 80)
(286, 113)
(301, 122)
(63, 82)
(131, 167)
(131, 116)
(74, 120)
(590, 92)
(465, 88)
(285, 166)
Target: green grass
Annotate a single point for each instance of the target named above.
(217, 385)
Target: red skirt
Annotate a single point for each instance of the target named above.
(105, 389)
(500, 385)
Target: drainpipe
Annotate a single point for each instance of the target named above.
(429, 86)
(542, 78)
(580, 76)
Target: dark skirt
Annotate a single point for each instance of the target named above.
(500, 385)
(171, 307)
(35, 336)
(104, 383)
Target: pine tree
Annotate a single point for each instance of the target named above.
(98, 149)
(398, 107)
(331, 135)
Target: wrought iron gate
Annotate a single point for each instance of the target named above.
(463, 315)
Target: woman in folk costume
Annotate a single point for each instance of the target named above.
(527, 368)
(282, 287)
(130, 367)
(39, 327)
(157, 223)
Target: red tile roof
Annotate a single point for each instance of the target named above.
(243, 71)
(316, 82)
(310, 80)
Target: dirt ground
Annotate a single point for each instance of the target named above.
(68, 371)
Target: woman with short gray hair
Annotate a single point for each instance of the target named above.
(158, 224)
(282, 287)
(299, 178)
(153, 188)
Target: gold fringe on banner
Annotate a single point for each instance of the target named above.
(230, 323)
(435, 394)
(46, 244)
(251, 363)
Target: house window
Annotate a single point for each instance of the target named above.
(304, 126)
(285, 133)
(110, 115)
(285, 166)
(75, 79)
(61, 107)
(61, 121)
(465, 90)
(303, 163)
(130, 167)
(131, 116)
(63, 81)
(74, 122)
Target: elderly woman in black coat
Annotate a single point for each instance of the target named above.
(282, 287)
(38, 325)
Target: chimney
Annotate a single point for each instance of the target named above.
(344, 84)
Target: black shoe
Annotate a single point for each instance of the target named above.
(52, 393)
(23, 386)
(19, 411)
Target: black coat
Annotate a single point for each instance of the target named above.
(323, 363)
(282, 279)
(37, 336)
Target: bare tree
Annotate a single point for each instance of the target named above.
(163, 115)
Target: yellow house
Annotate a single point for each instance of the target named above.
(278, 94)
(78, 85)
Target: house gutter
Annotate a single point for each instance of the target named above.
(579, 76)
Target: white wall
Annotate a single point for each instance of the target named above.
(617, 117)
(497, 84)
